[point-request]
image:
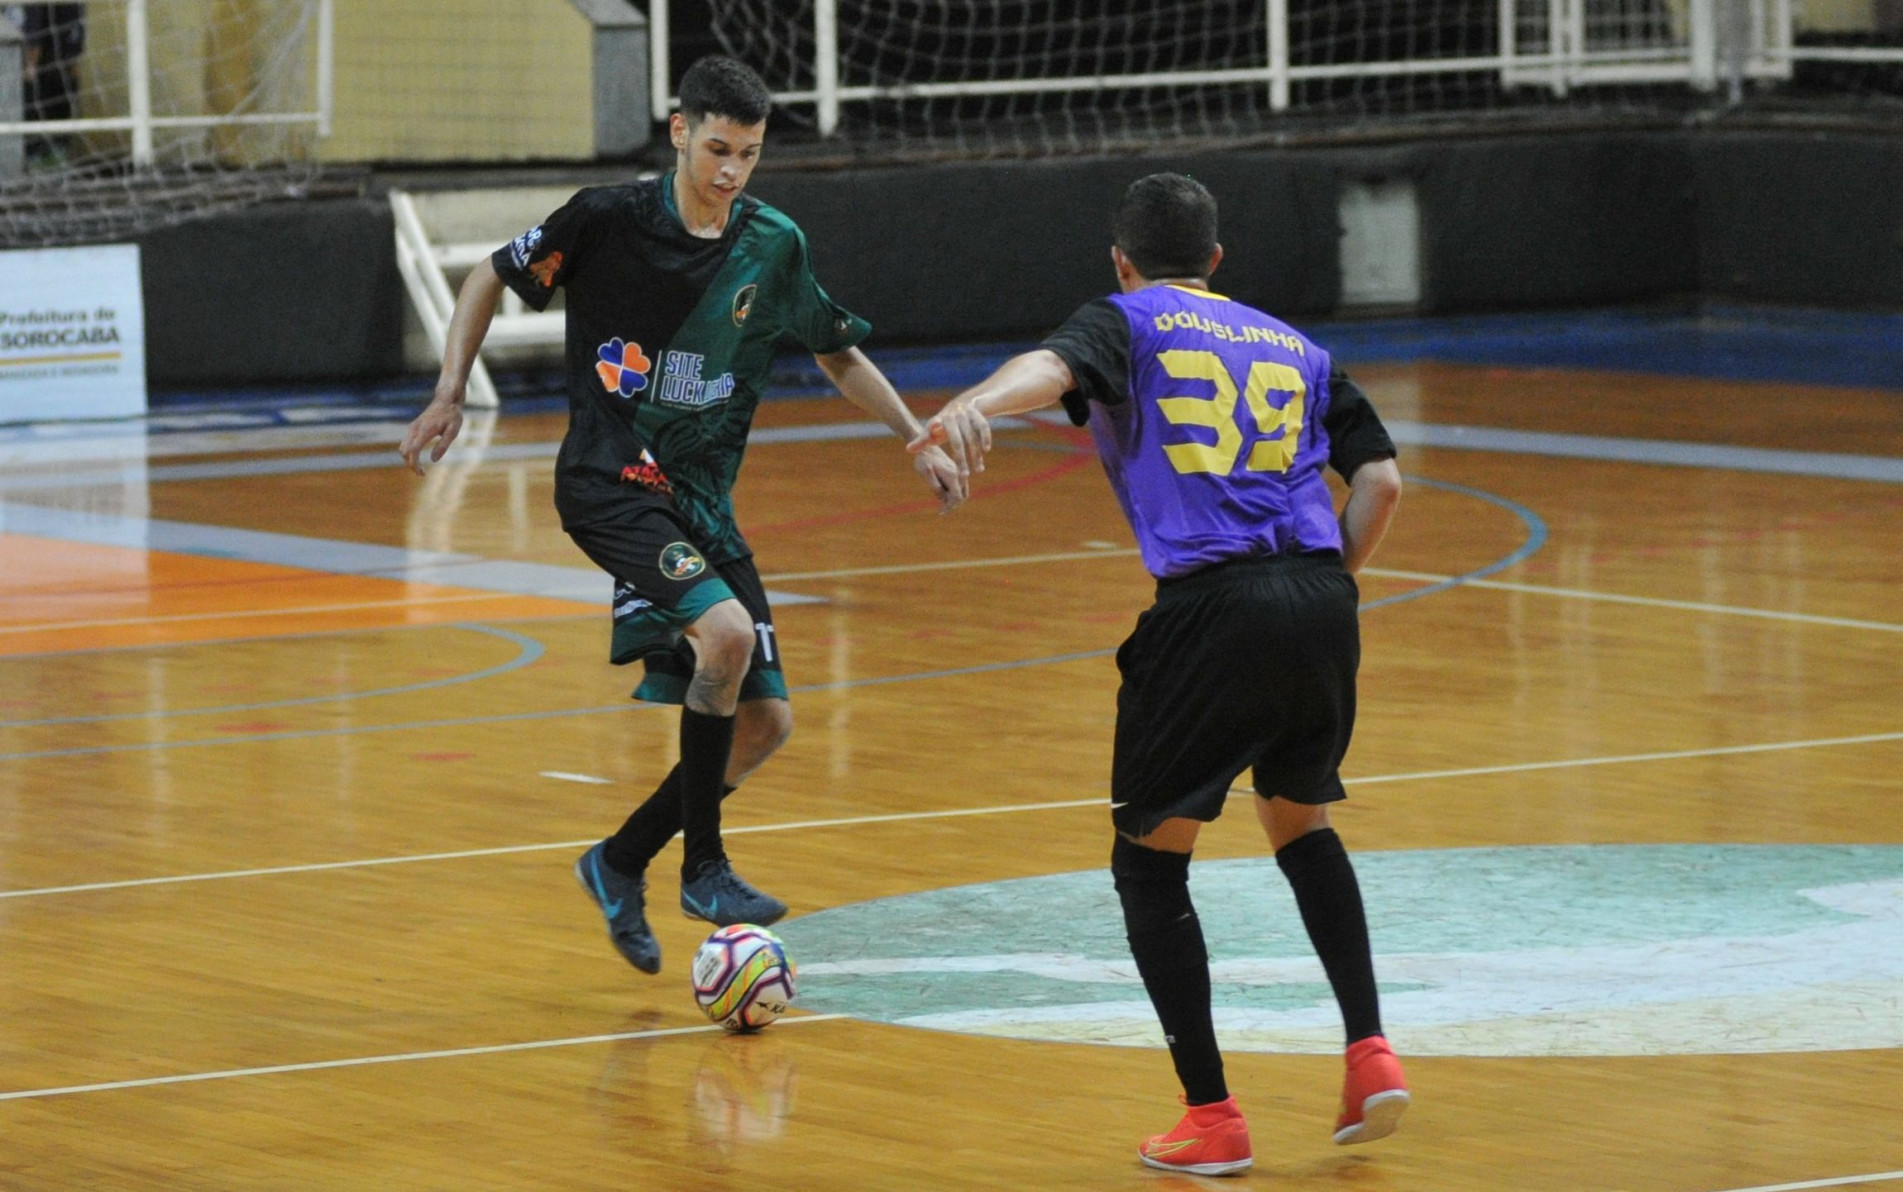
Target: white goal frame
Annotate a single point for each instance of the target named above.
(142, 123)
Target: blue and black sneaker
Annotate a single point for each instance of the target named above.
(623, 903)
(723, 898)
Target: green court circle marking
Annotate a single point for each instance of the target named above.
(1547, 950)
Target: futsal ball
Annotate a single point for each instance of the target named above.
(743, 978)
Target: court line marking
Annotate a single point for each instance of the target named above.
(392, 1058)
(953, 565)
(957, 813)
(246, 614)
(1876, 1177)
(1732, 610)
(528, 650)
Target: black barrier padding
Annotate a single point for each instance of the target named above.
(1801, 218)
(1006, 250)
(280, 292)
(1523, 222)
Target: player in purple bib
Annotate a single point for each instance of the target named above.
(1214, 421)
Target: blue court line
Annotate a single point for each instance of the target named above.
(1664, 452)
(354, 461)
(1794, 345)
(1536, 537)
(332, 556)
(528, 650)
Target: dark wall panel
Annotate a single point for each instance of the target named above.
(280, 292)
(1527, 222)
(1009, 249)
(1006, 250)
(1801, 218)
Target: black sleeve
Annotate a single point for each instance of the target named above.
(545, 256)
(1355, 433)
(1095, 343)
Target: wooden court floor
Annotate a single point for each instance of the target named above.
(285, 846)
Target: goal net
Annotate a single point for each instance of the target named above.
(1054, 76)
(121, 115)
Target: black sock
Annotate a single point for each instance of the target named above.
(648, 830)
(1318, 869)
(1166, 938)
(706, 744)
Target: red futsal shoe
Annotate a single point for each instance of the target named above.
(1210, 1140)
(1373, 1096)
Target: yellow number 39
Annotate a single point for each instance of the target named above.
(1218, 413)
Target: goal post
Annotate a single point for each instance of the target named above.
(134, 113)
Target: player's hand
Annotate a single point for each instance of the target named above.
(963, 432)
(439, 424)
(941, 474)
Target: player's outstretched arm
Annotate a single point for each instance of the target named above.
(862, 384)
(1373, 493)
(442, 420)
(1021, 384)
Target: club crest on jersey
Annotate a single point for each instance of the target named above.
(680, 561)
(623, 368)
(743, 302)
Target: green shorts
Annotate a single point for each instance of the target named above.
(663, 583)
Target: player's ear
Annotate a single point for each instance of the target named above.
(1215, 259)
(677, 130)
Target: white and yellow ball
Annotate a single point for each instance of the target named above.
(743, 978)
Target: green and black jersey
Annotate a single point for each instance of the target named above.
(670, 339)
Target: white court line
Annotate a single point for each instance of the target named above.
(507, 850)
(1835, 1182)
(1623, 759)
(590, 779)
(397, 1058)
(954, 813)
(1730, 610)
(246, 614)
(953, 565)
(1425, 577)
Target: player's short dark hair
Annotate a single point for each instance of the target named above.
(1166, 225)
(721, 86)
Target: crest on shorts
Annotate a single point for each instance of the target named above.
(680, 561)
(743, 302)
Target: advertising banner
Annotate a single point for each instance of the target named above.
(72, 334)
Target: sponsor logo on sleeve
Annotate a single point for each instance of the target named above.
(680, 561)
(623, 367)
(743, 303)
(523, 247)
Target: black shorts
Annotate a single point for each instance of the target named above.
(663, 583)
(1244, 664)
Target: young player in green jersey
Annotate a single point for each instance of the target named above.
(678, 290)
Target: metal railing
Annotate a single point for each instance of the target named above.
(142, 122)
(1557, 45)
